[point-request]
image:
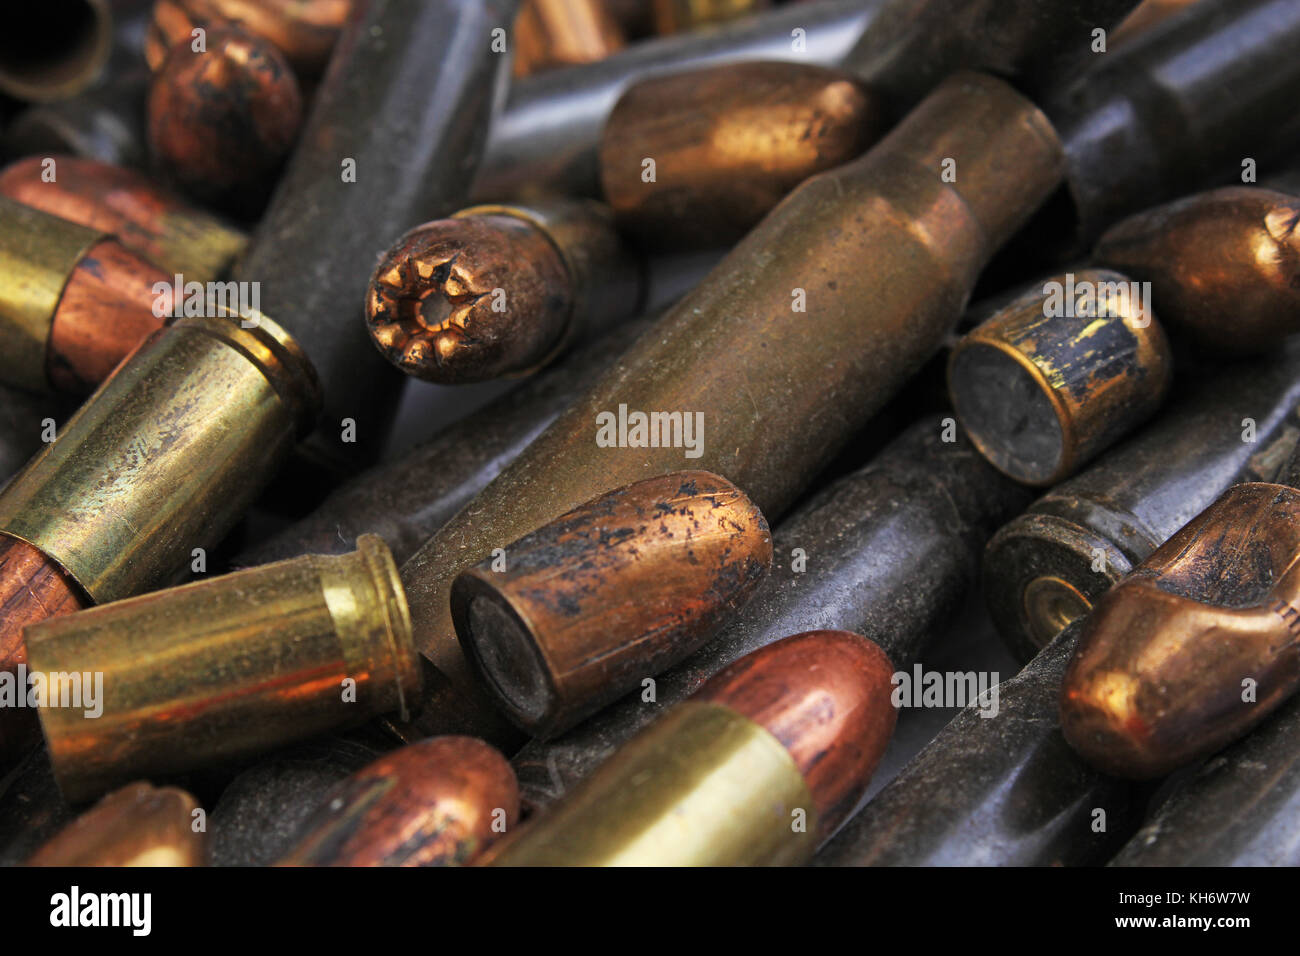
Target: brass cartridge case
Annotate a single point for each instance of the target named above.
(727, 143)
(1048, 566)
(612, 592)
(756, 768)
(677, 16)
(175, 236)
(76, 37)
(884, 253)
(166, 456)
(1060, 374)
(500, 290)
(138, 825)
(227, 667)
(439, 802)
(1224, 266)
(551, 33)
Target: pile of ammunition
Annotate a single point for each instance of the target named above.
(650, 432)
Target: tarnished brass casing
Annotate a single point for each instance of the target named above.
(676, 16)
(228, 667)
(1040, 391)
(551, 33)
(77, 40)
(166, 455)
(139, 825)
(613, 592)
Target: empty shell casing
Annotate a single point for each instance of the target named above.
(439, 802)
(695, 159)
(1224, 266)
(1048, 566)
(76, 39)
(138, 825)
(227, 667)
(756, 768)
(551, 33)
(575, 614)
(1060, 374)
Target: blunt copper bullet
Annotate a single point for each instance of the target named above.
(74, 302)
(138, 825)
(695, 159)
(881, 252)
(1224, 266)
(163, 228)
(891, 550)
(227, 667)
(54, 50)
(1048, 566)
(439, 802)
(499, 290)
(678, 16)
(383, 150)
(1197, 645)
(756, 768)
(1004, 790)
(577, 613)
(1060, 374)
(551, 33)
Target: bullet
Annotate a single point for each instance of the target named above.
(138, 825)
(695, 159)
(880, 253)
(155, 224)
(439, 802)
(759, 765)
(73, 301)
(1048, 567)
(1238, 809)
(1224, 266)
(577, 613)
(383, 149)
(1197, 644)
(890, 550)
(678, 16)
(996, 791)
(500, 290)
(55, 50)
(228, 667)
(222, 120)
(1060, 374)
(555, 33)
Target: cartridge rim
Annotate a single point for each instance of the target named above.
(397, 618)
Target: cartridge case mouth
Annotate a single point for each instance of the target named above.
(1051, 605)
(60, 60)
(512, 662)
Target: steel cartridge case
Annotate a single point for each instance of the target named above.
(227, 667)
(577, 613)
(138, 825)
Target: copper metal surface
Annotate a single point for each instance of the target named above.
(676, 16)
(551, 33)
(138, 825)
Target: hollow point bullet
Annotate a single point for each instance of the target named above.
(1224, 265)
(614, 591)
(438, 802)
(227, 667)
(74, 301)
(499, 290)
(1042, 388)
(75, 39)
(138, 825)
(164, 229)
(695, 159)
(553, 33)
(756, 768)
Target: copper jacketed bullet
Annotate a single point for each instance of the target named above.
(222, 120)
(499, 290)
(551, 33)
(1198, 644)
(54, 50)
(695, 159)
(1224, 266)
(756, 768)
(74, 302)
(1048, 566)
(226, 667)
(1060, 374)
(166, 230)
(439, 802)
(577, 613)
(138, 825)
(846, 289)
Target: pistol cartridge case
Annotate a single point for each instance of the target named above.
(439, 802)
(138, 825)
(228, 667)
(790, 733)
(614, 591)
(1041, 392)
(76, 39)
(552, 33)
